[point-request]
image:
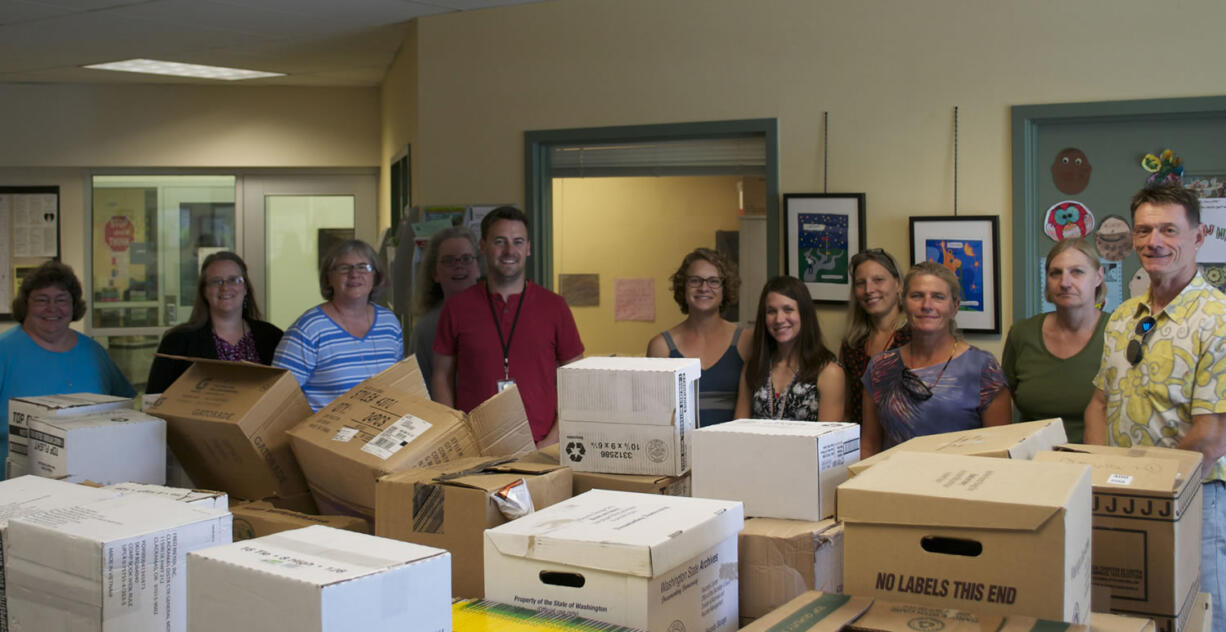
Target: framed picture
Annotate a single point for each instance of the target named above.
(969, 246)
(824, 231)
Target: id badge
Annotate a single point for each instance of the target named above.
(505, 384)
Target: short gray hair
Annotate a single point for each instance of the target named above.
(346, 247)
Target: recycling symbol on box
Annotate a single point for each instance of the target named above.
(575, 451)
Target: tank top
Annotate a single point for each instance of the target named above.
(718, 386)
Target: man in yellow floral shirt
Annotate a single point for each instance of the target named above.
(1162, 380)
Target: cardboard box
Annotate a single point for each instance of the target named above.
(476, 614)
(319, 579)
(1103, 622)
(33, 494)
(226, 425)
(781, 559)
(1201, 618)
(24, 409)
(450, 506)
(628, 415)
(890, 616)
(207, 499)
(639, 560)
(639, 483)
(258, 519)
(113, 565)
(1010, 441)
(950, 531)
(1147, 526)
(813, 611)
(388, 424)
(779, 469)
(108, 447)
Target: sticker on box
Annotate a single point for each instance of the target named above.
(345, 434)
(1119, 479)
(396, 436)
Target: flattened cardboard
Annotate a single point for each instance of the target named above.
(812, 611)
(258, 519)
(890, 616)
(387, 424)
(782, 559)
(23, 410)
(946, 530)
(227, 423)
(640, 483)
(449, 506)
(778, 469)
(1010, 441)
(1103, 622)
(107, 447)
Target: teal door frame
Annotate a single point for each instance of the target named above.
(538, 194)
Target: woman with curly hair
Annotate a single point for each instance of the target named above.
(705, 284)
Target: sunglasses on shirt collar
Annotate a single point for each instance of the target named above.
(1136, 347)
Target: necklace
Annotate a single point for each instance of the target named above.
(952, 351)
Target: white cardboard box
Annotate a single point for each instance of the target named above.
(116, 565)
(109, 447)
(23, 409)
(628, 415)
(779, 469)
(319, 579)
(219, 501)
(643, 560)
(32, 494)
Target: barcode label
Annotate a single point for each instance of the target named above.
(396, 436)
(1119, 479)
(345, 434)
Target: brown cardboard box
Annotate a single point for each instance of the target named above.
(388, 424)
(780, 559)
(449, 506)
(1147, 526)
(641, 483)
(812, 612)
(1011, 441)
(257, 519)
(1201, 618)
(954, 531)
(890, 616)
(226, 423)
(1103, 622)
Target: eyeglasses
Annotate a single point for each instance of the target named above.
(59, 301)
(345, 268)
(1136, 347)
(449, 261)
(234, 281)
(712, 282)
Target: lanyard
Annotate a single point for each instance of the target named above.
(506, 343)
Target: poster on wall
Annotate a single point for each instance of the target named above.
(824, 231)
(29, 235)
(968, 246)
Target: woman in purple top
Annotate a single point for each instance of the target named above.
(937, 382)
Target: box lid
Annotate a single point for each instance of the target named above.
(1010, 441)
(119, 518)
(97, 420)
(74, 403)
(31, 494)
(637, 534)
(479, 472)
(1138, 470)
(778, 427)
(926, 489)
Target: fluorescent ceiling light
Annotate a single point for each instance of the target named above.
(176, 69)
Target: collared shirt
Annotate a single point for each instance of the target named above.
(1181, 374)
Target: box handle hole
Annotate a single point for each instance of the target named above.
(951, 546)
(555, 578)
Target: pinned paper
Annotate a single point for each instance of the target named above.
(1068, 220)
(1139, 284)
(580, 290)
(1114, 238)
(1071, 171)
(634, 299)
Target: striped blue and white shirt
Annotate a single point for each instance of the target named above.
(327, 361)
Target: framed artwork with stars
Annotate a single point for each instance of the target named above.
(969, 246)
(824, 231)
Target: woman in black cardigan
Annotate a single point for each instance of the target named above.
(225, 324)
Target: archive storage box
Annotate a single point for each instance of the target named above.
(641, 483)
(23, 410)
(109, 447)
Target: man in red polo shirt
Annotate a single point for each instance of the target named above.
(505, 330)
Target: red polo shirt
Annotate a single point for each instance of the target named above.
(544, 338)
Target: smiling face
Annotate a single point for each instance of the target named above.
(226, 298)
(456, 268)
(702, 298)
(876, 289)
(49, 312)
(506, 250)
(353, 285)
(782, 318)
(1165, 241)
(930, 305)
(1072, 280)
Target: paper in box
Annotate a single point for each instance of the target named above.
(115, 565)
(1147, 527)
(628, 415)
(257, 519)
(22, 410)
(108, 447)
(781, 559)
(778, 469)
(638, 560)
(813, 611)
(996, 536)
(1010, 441)
(226, 424)
(319, 579)
(387, 424)
(450, 506)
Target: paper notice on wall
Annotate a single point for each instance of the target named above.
(1213, 216)
(634, 299)
(34, 220)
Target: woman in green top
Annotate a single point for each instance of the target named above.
(1050, 359)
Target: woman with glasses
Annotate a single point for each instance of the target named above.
(225, 324)
(705, 284)
(450, 265)
(937, 382)
(875, 321)
(1050, 359)
(790, 374)
(344, 340)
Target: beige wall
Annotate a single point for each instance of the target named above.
(398, 110)
(889, 72)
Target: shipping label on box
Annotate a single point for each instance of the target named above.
(109, 447)
(24, 409)
(946, 530)
(1010, 441)
(781, 559)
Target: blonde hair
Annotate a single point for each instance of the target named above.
(941, 272)
(1085, 247)
(859, 325)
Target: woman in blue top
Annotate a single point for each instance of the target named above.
(937, 382)
(703, 286)
(336, 345)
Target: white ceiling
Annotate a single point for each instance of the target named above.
(315, 42)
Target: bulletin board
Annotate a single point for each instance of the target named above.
(1111, 139)
(30, 218)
